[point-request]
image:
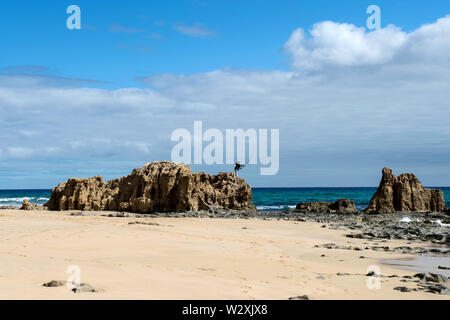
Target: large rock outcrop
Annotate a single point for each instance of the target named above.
(340, 206)
(157, 187)
(405, 193)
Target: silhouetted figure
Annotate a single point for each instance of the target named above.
(238, 167)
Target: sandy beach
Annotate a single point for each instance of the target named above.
(187, 258)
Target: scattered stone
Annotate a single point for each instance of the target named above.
(405, 250)
(431, 277)
(305, 297)
(84, 287)
(341, 206)
(55, 284)
(402, 289)
(438, 289)
(333, 246)
(342, 274)
(118, 215)
(145, 223)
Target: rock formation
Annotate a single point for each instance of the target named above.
(405, 193)
(30, 206)
(157, 187)
(340, 206)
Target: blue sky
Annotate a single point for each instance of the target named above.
(249, 34)
(105, 99)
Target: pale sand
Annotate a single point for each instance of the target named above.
(186, 258)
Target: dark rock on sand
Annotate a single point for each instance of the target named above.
(157, 187)
(402, 289)
(437, 289)
(405, 193)
(145, 223)
(443, 268)
(305, 297)
(77, 214)
(8, 208)
(55, 284)
(431, 277)
(335, 246)
(340, 206)
(84, 287)
(403, 249)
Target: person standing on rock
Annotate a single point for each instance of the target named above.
(238, 167)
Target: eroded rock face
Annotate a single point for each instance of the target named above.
(340, 206)
(30, 206)
(405, 193)
(157, 187)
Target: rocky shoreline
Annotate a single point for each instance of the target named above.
(425, 227)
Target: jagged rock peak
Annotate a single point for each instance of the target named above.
(405, 193)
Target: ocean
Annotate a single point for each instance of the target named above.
(265, 199)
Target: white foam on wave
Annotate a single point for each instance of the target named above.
(278, 207)
(14, 199)
(19, 200)
(408, 219)
(439, 222)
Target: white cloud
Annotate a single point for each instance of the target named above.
(109, 146)
(124, 29)
(341, 44)
(18, 152)
(432, 41)
(196, 30)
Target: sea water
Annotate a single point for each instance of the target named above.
(265, 199)
(16, 197)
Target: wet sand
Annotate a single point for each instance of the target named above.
(188, 258)
(422, 263)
